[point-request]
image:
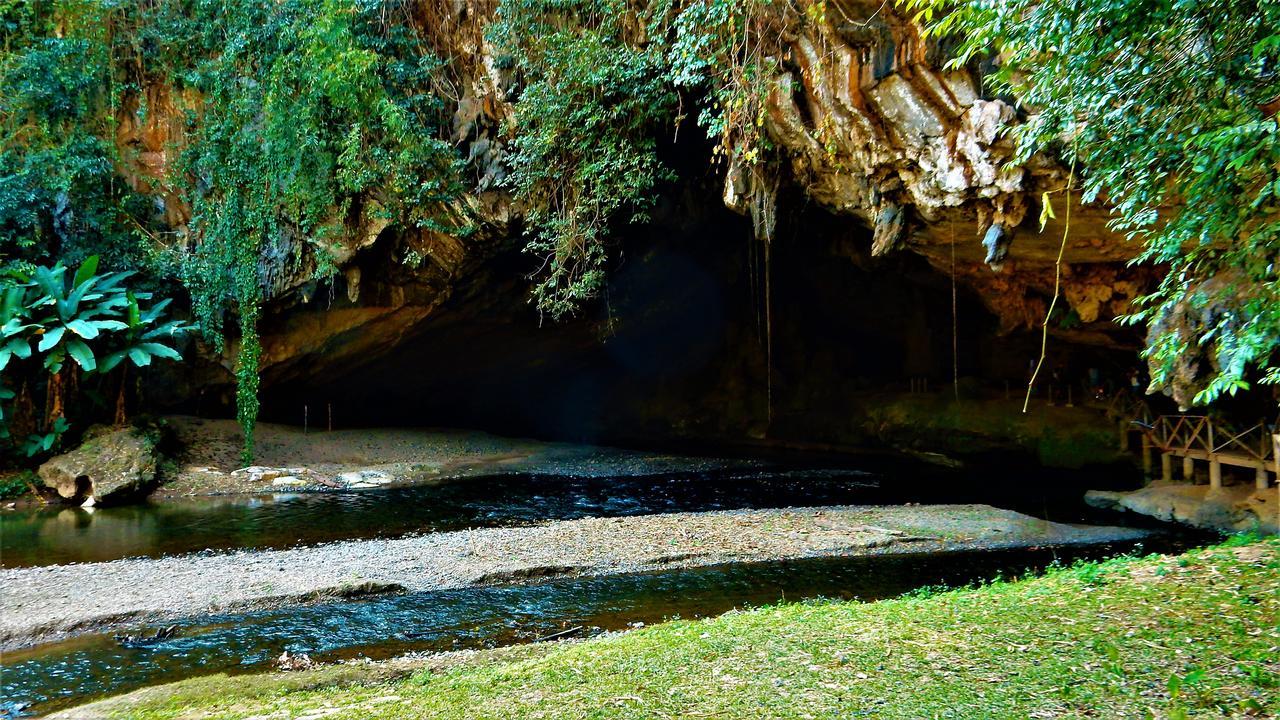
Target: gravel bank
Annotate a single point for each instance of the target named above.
(211, 453)
(46, 603)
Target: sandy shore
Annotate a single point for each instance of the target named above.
(211, 455)
(47, 603)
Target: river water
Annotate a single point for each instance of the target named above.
(49, 536)
(52, 535)
(71, 672)
(55, 675)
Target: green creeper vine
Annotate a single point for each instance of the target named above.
(299, 117)
(602, 79)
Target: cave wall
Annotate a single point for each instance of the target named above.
(699, 337)
(893, 172)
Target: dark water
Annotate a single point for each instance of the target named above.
(52, 676)
(48, 536)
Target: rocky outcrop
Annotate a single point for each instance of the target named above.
(873, 126)
(110, 466)
(864, 116)
(1226, 509)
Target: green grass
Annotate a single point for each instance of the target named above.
(16, 483)
(1161, 637)
(1056, 436)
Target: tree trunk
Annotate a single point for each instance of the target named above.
(121, 417)
(53, 401)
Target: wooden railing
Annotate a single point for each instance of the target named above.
(1128, 407)
(1203, 438)
(1200, 437)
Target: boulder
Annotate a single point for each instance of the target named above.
(1237, 508)
(108, 467)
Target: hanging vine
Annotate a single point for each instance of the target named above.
(601, 81)
(299, 115)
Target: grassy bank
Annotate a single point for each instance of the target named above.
(1163, 637)
(1058, 436)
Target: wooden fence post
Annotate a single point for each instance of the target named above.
(1146, 456)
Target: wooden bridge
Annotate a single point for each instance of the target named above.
(1196, 438)
(1200, 437)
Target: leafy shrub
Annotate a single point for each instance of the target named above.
(49, 315)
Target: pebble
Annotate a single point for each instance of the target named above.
(76, 598)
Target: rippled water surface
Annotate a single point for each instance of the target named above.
(56, 675)
(49, 536)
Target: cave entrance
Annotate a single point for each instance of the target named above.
(677, 346)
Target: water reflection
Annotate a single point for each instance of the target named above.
(65, 535)
(93, 665)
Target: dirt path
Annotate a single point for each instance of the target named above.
(47, 603)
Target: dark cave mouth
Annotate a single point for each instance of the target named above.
(682, 346)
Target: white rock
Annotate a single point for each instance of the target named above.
(288, 480)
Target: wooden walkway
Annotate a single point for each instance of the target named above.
(1198, 437)
(1193, 438)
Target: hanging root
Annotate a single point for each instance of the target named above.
(764, 204)
(1057, 286)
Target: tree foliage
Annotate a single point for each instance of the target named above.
(1165, 104)
(50, 315)
(600, 80)
(297, 116)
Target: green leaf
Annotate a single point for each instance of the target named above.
(87, 270)
(19, 347)
(81, 353)
(69, 308)
(169, 329)
(108, 325)
(110, 362)
(50, 338)
(14, 327)
(54, 360)
(140, 357)
(133, 315)
(160, 351)
(83, 328)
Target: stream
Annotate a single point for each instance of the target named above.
(56, 536)
(60, 535)
(55, 675)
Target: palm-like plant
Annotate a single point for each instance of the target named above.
(54, 315)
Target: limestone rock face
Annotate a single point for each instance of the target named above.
(874, 126)
(1228, 509)
(866, 119)
(109, 467)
